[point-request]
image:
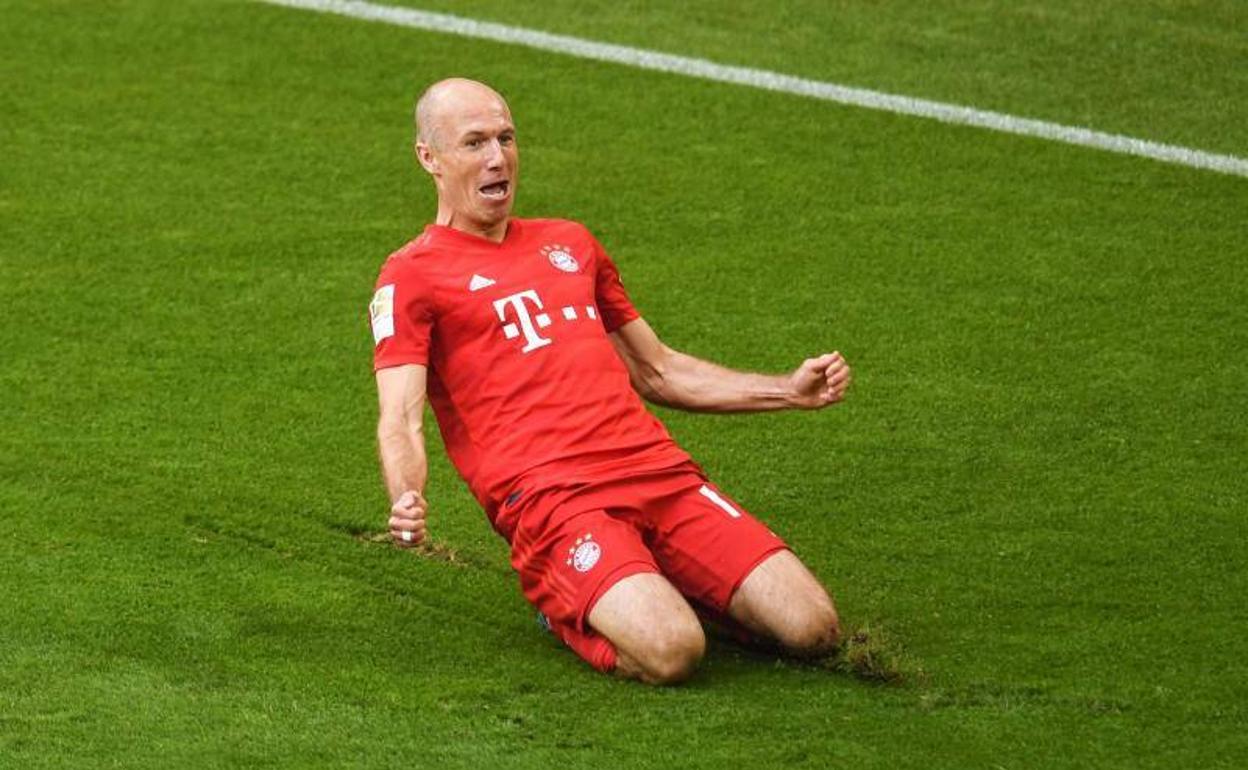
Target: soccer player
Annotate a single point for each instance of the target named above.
(522, 337)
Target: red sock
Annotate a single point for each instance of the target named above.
(593, 648)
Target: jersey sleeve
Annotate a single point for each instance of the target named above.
(401, 315)
(609, 294)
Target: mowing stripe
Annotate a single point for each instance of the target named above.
(772, 81)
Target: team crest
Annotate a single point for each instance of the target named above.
(584, 554)
(561, 257)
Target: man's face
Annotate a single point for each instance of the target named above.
(473, 156)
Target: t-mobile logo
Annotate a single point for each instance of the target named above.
(516, 302)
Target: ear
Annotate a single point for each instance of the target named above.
(427, 158)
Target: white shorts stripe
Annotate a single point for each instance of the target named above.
(709, 494)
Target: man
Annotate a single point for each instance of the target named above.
(523, 339)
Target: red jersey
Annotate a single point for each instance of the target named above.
(528, 390)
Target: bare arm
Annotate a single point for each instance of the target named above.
(671, 378)
(401, 445)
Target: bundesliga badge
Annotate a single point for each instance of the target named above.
(381, 313)
(561, 257)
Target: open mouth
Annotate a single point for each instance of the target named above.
(495, 190)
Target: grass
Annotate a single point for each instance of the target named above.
(1160, 69)
(871, 655)
(1036, 488)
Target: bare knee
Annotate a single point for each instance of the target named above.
(812, 631)
(782, 600)
(657, 636)
(670, 656)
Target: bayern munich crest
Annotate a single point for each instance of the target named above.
(561, 257)
(584, 554)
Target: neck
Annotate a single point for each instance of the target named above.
(494, 231)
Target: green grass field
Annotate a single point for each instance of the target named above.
(1037, 486)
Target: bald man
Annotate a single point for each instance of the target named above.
(520, 335)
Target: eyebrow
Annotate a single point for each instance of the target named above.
(477, 133)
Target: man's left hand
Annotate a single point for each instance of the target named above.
(820, 381)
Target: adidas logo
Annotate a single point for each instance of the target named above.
(479, 282)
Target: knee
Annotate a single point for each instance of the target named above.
(672, 656)
(814, 631)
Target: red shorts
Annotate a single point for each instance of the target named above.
(572, 544)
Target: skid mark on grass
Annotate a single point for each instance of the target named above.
(42, 718)
(253, 538)
(871, 654)
(428, 597)
(868, 653)
(434, 550)
(1007, 697)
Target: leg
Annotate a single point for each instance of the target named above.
(781, 600)
(656, 634)
(595, 582)
(717, 554)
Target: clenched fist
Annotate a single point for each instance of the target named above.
(819, 381)
(407, 519)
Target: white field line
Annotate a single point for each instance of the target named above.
(772, 81)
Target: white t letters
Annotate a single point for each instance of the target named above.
(516, 302)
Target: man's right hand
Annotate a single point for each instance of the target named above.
(407, 519)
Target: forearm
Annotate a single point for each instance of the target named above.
(672, 378)
(689, 383)
(404, 465)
